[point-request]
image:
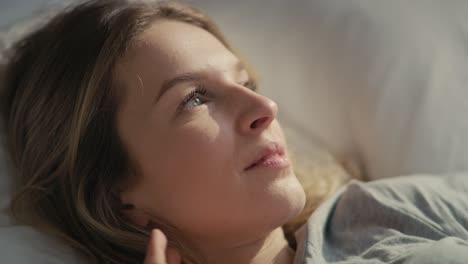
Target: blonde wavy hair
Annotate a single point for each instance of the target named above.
(59, 101)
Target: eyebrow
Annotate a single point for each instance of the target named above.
(187, 77)
(183, 78)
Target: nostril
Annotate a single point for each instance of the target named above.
(259, 122)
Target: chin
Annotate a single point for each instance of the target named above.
(297, 201)
(288, 202)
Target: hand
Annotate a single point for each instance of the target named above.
(158, 252)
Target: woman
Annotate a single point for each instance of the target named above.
(129, 116)
(137, 135)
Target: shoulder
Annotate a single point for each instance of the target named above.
(411, 193)
(427, 200)
(389, 219)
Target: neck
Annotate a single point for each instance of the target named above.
(272, 248)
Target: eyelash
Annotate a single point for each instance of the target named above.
(201, 91)
(252, 85)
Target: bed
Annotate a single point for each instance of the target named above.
(381, 85)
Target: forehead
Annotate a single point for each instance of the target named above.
(169, 48)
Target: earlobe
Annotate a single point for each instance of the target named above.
(129, 204)
(130, 209)
(135, 215)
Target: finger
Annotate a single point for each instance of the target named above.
(156, 253)
(173, 257)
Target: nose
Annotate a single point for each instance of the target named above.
(257, 114)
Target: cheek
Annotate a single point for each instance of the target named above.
(199, 176)
(197, 161)
(197, 143)
(277, 130)
(205, 140)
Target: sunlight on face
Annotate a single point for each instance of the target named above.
(210, 150)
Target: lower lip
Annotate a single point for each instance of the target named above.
(273, 162)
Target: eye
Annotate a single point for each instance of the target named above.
(251, 84)
(194, 99)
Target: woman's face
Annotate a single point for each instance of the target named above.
(210, 152)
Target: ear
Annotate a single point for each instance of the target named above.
(132, 210)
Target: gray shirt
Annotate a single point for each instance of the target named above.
(412, 219)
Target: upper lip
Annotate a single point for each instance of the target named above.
(264, 152)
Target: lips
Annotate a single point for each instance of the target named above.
(272, 155)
